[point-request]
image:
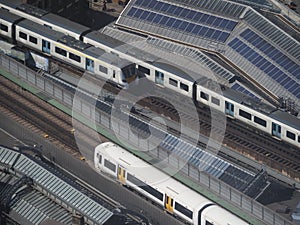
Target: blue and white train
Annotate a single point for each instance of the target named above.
(171, 195)
(100, 57)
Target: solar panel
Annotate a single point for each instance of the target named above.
(239, 87)
(268, 67)
(180, 18)
(271, 52)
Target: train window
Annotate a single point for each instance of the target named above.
(100, 159)
(184, 87)
(23, 35)
(74, 57)
(103, 69)
(109, 165)
(214, 100)
(114, 74)
(208, 223)
(183, 210)
(4, 27)
(143, 69)
(204, 95)
(298, 139)
(245, 114)
(260, 121)
(159, 77)
(145, 187)
(33, 40)
(290, 135)
(61, 51)
(173, 82)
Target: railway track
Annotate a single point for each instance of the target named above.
(241, 138)
(238, 136)
(42, 118)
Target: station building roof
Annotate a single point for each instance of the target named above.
(55, 186)
(244, 36)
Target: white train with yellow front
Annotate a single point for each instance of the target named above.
(167, 192)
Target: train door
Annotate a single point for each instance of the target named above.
(169, 203)
(159, 77)
(121, 174)
(229, 109)
(276, 130)
(46, 46)
(89, 65)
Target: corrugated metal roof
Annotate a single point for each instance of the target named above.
(56, 186)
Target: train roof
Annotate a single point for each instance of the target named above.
(7, 16)
(32, 10)
(41, 30)
(286, 118)
(11, 3)
(218, 214)
(104, 39)
(65, 23)
(109, 58)
(74, 43)
(153, 176)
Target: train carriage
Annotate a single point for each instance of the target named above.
(7, 20)
(171, 195)
(45, 18)
(36, 36)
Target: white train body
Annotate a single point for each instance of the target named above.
(170, 194)
(86, 57)
(45, 18)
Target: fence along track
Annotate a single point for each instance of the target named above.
(242, 202)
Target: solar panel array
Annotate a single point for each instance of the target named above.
(276, 71)
(195, 55)
(272, 52)
(234, 176)
(238, 87)
(219, 7)
(276, 35)
(179, 18)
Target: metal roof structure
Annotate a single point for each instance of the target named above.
(168, 51)
(194, 54)
(59, 188)
(177, 22)
(36, 209)
(249, 40)
(204, 161)
(243, 89)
